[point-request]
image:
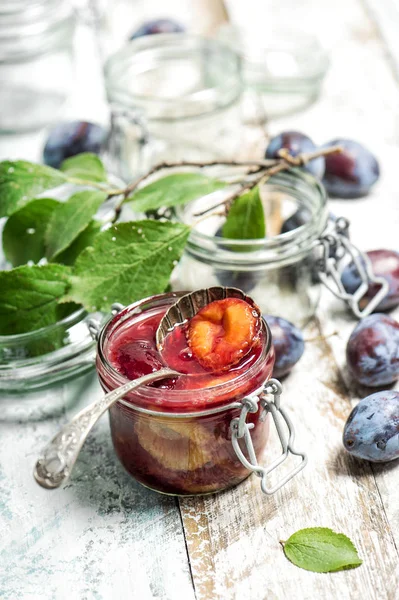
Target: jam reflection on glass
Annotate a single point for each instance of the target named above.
(170, 454)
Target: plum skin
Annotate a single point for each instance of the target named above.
(372, 429)
(288, 344)
(372, 352)
(296, 143)
(385, 264)
(157, 26)
(71, 138)
(351, 173)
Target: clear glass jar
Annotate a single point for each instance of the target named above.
(36, 67)
(283, 69)
(277, 272)
(180, 441)
(41, 371)
(173, 97)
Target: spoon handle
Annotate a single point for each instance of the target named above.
(59, 456)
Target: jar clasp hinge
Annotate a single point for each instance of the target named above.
(334, 246)
(242, 430)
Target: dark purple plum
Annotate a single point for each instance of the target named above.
(372, 352)
(157, 26)
(296, 143)
(385, 264)
(351, 173)
(372, 429)
(243, 280)
(288, 344)
(71, 138)
(297, 219)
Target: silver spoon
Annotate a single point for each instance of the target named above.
(58, 457)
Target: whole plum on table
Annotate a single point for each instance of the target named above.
(351, 173)
(372, 352)
(297, 219)
(296, 143)
(385, 264)
(157, 26)
(372, 429)
(288, 344)
(71, 138)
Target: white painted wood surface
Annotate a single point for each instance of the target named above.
(105, 537)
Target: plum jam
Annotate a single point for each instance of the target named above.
(174, 435)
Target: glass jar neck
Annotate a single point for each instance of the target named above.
(172, 77)
(284, 193)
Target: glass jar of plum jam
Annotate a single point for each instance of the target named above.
(175, 436)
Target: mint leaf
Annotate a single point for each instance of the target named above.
(24, 231)
(85, 166)
(173, 190)
(29, 295)
(70, 219)
(20, 181)
(127, 262)
(84, 239)
(246, 219)
(321, 550)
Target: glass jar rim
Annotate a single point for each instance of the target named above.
(284, 248)
(155, 394)
(69, 320)
(230, 83)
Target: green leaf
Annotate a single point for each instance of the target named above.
(85, 166)
(127, 262)
(321, 550)
(173, 190)
(20, 181)
(246, 219)
(70, 219)
(84, 239)
(29, 295)
(24, 231)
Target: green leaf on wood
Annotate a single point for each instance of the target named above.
(70, 219)
(84, 239)
(321, 550)
(85, 166)
(127, 262)
(24, 231)
(29, 296)
(174, 190)
(20, 181)
(246, 219)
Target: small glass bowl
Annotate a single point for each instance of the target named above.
(282, 71)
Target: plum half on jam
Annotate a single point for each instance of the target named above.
(224, 354)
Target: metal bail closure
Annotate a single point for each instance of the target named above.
(241, 429)
(333, 247)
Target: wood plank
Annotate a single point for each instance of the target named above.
(102, 536)
(386, 16)
(233, 537)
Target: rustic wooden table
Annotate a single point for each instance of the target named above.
(104, 536)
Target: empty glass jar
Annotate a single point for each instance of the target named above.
(173, 97)
(36, 66)
(276, 271)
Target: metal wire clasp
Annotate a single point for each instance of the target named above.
(241, 429)
(332, 248)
